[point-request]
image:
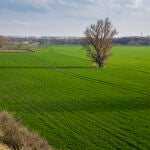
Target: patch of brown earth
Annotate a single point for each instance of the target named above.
(14, 50)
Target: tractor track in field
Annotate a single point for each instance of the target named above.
(83, 116)
(76, 114)
(28, 110)
(70, 56)
(128, 67)
(15, 101)
(85, 92)
(50, 66)
(102, 127)
(32, 108)
(105, 82)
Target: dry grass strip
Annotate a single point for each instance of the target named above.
(17, 137)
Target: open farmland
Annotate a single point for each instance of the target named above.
(60, 95)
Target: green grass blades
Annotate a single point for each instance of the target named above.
(74, 106)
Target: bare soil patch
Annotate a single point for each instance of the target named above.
(14, 50)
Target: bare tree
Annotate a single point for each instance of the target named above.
(2, 41)
(98, 41)
(32, 39)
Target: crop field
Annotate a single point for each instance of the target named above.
(57, 93)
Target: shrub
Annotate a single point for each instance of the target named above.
(18, 137)
(4, 147)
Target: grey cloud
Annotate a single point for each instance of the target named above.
(18, 6)
(26, 23)
(74, 15)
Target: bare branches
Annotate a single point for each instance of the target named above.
(98, 41)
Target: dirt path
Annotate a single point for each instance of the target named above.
(13, 51)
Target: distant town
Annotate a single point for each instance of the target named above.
(60, 40)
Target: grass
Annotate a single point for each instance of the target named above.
(60, 95)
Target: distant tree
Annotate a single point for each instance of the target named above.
(32, 40)
(2, 41)
(133, 42)
(98, 41)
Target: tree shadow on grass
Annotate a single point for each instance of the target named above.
(96, 105)
(47, 67)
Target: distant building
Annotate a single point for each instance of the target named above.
(25, 42)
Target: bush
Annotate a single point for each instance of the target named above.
(18, 137)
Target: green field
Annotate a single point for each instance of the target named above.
(74, 106)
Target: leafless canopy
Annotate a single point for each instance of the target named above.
(98, 41)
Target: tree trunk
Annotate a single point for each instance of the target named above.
(100, 62)
(101, 65)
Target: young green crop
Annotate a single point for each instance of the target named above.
(59, 94)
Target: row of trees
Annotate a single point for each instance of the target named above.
(134, 40)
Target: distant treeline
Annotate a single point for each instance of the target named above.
(132, 41)
(77, 40)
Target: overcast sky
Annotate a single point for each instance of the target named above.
(71, 17)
